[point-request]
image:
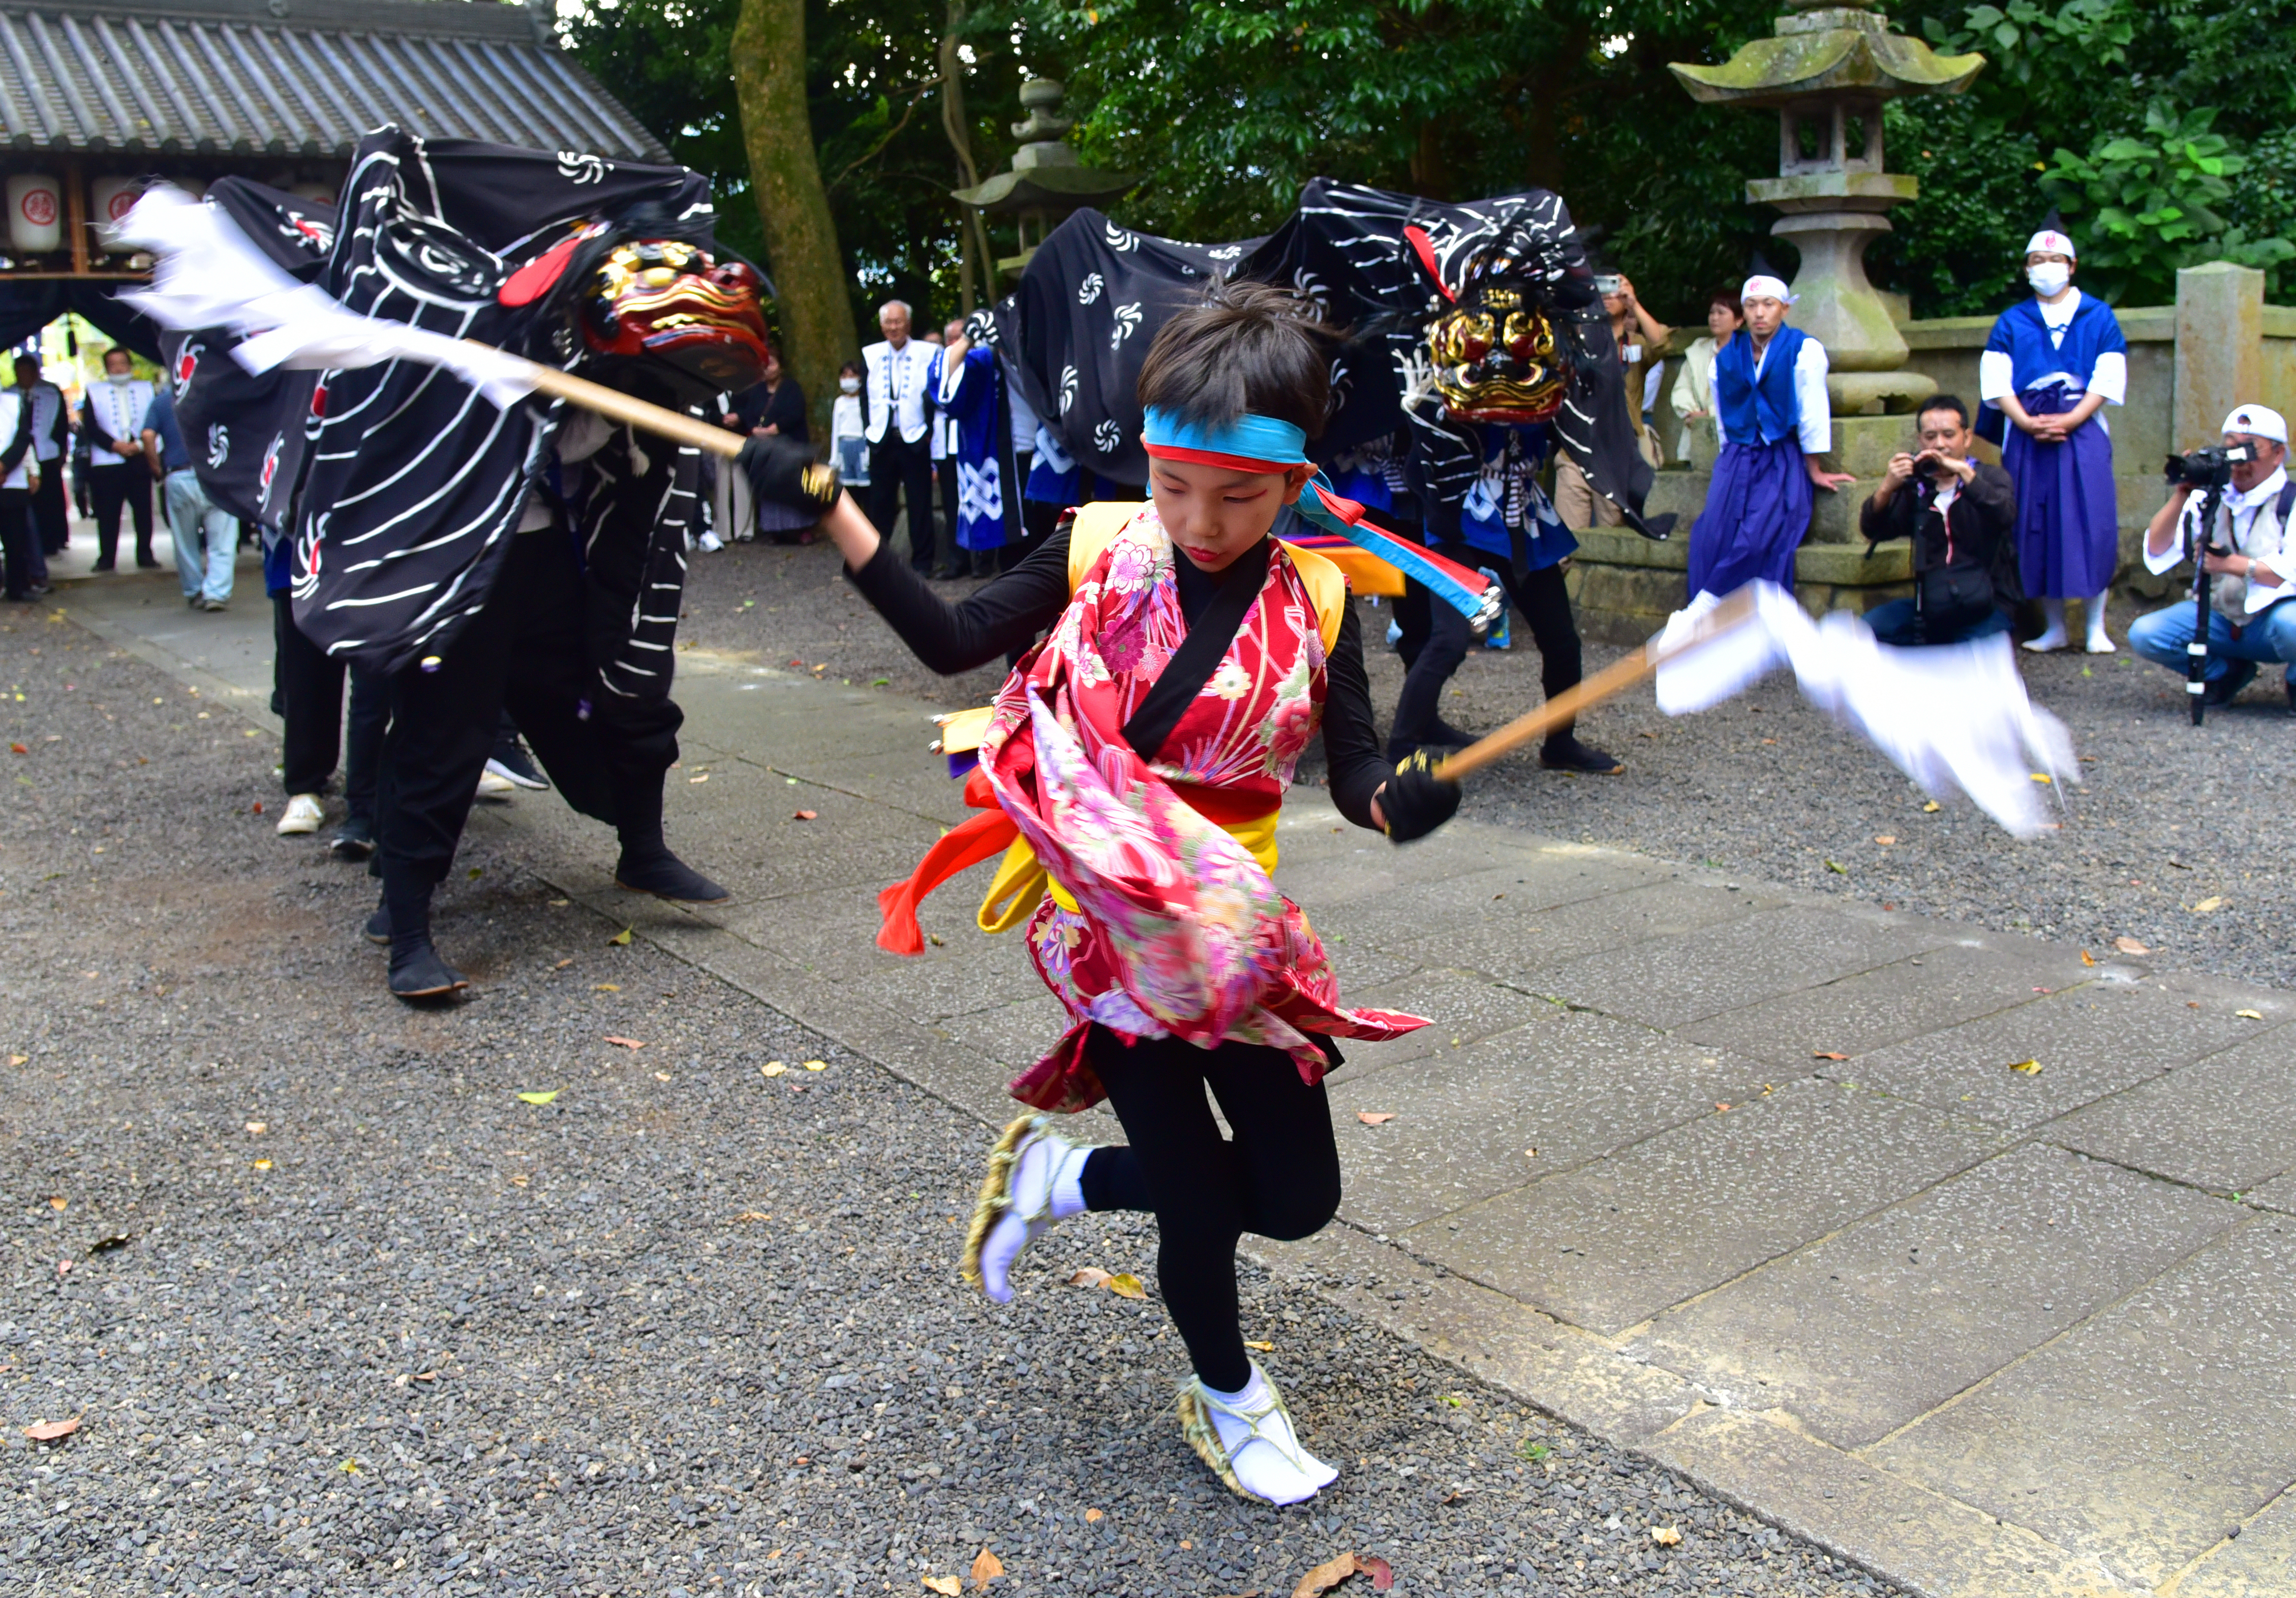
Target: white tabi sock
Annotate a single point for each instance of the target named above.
(2053, 637)
(2099, 643)
(1047, 1187)
(1262, 1449)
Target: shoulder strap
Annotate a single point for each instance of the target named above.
(1327, 588)
(2287, 498)
(1199, 655)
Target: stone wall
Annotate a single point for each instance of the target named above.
(2189, 363)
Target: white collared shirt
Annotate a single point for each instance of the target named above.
(898, 384)
(2267, 543)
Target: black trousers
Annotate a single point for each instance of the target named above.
(48, 518)
(1279, 1177)
(944, 541)
(311, 704)
(525, 652)
(900, 470)
(1436, 637)
(16, 540)
(128, 484)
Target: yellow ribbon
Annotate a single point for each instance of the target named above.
(1021, 881)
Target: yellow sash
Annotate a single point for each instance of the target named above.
(1021, 881)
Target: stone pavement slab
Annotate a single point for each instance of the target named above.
(1886, 1320)
(1992, 1334)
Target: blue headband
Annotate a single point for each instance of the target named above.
(1249, 443)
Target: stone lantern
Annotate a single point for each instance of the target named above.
(1046, 181)
(1827, 70)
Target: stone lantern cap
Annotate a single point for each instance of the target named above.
(1046, 175)
(1827, 49)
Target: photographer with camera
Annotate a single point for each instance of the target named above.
(2245, 550)
(1960, 515)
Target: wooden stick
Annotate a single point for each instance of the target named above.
(617, 405)
(1607, 683)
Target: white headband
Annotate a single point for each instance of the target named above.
(2050, 241)
(2261, 420)
(1763, 286)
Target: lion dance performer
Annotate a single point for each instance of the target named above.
(1136, 759)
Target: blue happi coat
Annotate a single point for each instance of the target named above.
(2068, 524)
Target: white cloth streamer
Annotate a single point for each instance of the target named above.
(207, 274)
(1953, 717)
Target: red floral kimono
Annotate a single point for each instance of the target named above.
(1160, 922)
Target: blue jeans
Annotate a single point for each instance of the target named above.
(1898, 622)
(191, 516)
(2161, 637)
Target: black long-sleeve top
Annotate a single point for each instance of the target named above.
(1978, 532)
(1009, 613)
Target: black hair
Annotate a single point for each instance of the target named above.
(851, 367)
(1726, 296)
(1247, 347)
(1951, 402)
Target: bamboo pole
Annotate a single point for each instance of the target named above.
(618, 407)
(1607, 683)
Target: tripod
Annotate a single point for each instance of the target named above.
(2197, 548)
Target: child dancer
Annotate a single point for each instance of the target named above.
(1141, 753)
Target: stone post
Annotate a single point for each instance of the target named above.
(2219, 347)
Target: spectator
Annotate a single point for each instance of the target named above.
(1639, 336)
(1961, 515)
(971, 389)
(900, 466)
(1693, 385)
(947, 562)
(1769, 392)
(779, 412)
(207, 538)
(20, 472)
(2250, 618)
(2050, 366)
(50, 438)
(848, 440)
(112, 414)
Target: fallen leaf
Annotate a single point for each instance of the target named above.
(559, 903)
(607, 987)
(948, 1585)
(563, 964)
(816, 1065)
(18, 749)
(1091, 1276)
(1092, 1515)
(48, 1431)
(1124, 1284)
(118, 1240)
(263, 1165)
(805, 815)
(1837, 868)
(1328, 1575)
(1826, 1054)
(540, 1097)
(2130, 946)
(703, 778)
(2209, 906)
(2029, 1067)
(255, 1129)
(1932, 807)
(2088, 959)
(64, 1267)
(1381, 1574)
(621, 938)
(1885, 838)
(1665, 1536)
(753, 1214)
(1770, 740)
(772, 1067)
(985, 1568)
(2250, 1015)
(1374, 1117)
(58, 1202)
(1261, 1348)
(625, 1042)
(18, 1059)
(662, 1076)
(476, 872)
(1720, 1106)
(2042, 777)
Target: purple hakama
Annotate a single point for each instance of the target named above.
(2068, 522)
(1756, 514)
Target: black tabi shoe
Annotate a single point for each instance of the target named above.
(377, 929)
(1451, 737)
(666, 876)
(510, 762)
(418, 973)
(354, 840)
(1567, 754)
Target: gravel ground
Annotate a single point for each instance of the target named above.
(340, 1311)
(2170, 817)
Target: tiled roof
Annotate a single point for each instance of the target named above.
(294, 78)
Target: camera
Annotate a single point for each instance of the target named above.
(1608, 283)
(2208, 468)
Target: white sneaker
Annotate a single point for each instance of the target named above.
(709, 543)
(492, 785)
(304, 814)
(1035, 1179)
(1247, 1440)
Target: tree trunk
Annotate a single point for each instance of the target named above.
(958, 126)
(808, 271)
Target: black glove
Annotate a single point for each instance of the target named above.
(784, 472)
(1416, 801)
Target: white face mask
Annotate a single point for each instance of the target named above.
(851, 385)
(2049, 278)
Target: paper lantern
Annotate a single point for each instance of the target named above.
(110, 199)
(35, 213)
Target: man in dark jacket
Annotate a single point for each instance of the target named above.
(1960, 515)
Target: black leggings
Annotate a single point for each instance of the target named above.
(1279, 1177)
(1435, 640)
